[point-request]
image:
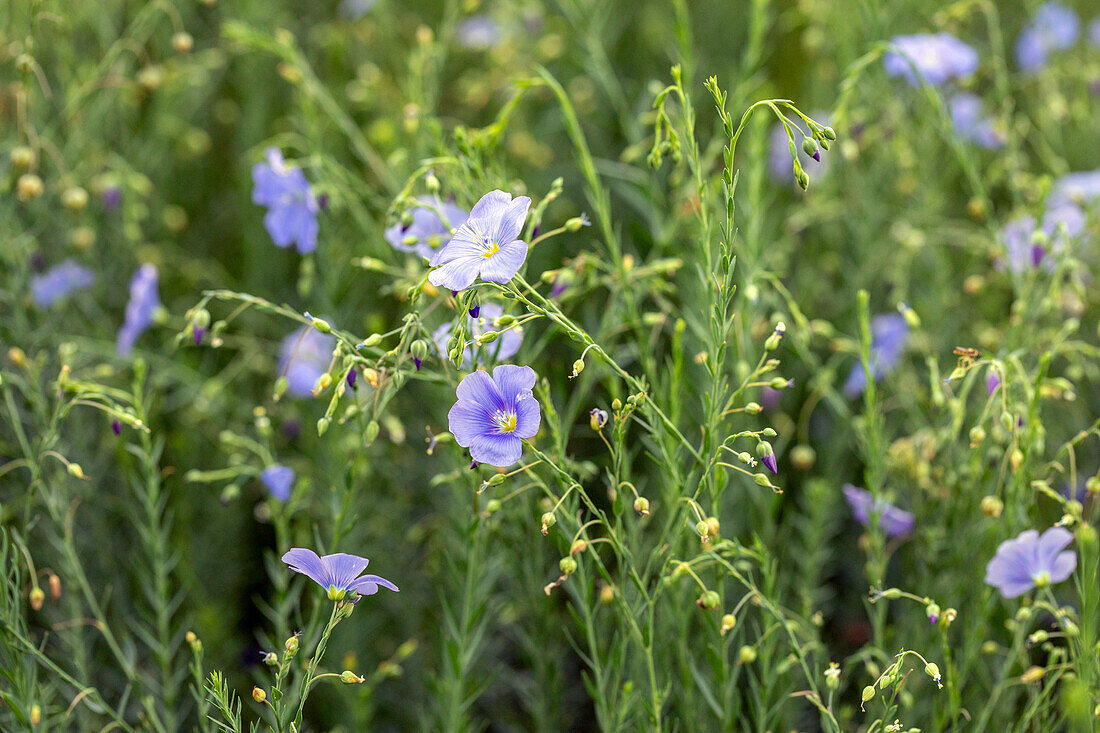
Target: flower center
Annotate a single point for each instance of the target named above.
(1041, 579)
(489, 246)
(506, 421)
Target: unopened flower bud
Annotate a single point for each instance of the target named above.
(867, 695)
(728, 622)
(323, 382)
(548, 521)
(22, 156)
(567, 565)
(933, 612)
(183, 42)
(36, 714)
(321, 325)
(1033, 674)
(578, 547)
(809, 146)
(828, 132)
(708, 600)
(702, 528)
(55, 586)
(350, 678)
(75, 470)
(258, 694)
(432, 182)
(373, 340)
(37, 598)
(492, 506)
(992, 506)
(75, 198)
(574, 224)
(29, 187)
(754, 408)
(712, 526)
(747, 654)
(1016, 458)
(761, 479)
(578, 367)
(641, 505)
(779, 383)
(977, 435)
(616, 404)
(607, 593)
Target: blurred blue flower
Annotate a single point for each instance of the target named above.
(1054, 28)
(427, 231)
(278, 480)
(1094, 33)
(493, 414)
(1061, 222)
(478, 33)
(303, 357)
(893, 521)
(888, 334)
(992, 381)
(337, 573)
(143, 304)
(1081, 187)
(111, 197)
(57, 282)
(1031, 561)
(291, 206)
(505, 347)
(938, 57)
(972, 124)
(355, 9)
(486, 244)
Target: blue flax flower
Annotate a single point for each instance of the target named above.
(303, 357)
(428, 232)
(1094, 33)
(486, 244)
(1062, 222)
(355, 9)
(143, 304)
(938, 58)
(494, 414)
(291, 206)
(478, 33)
(1031, 560)
(504, 348)
(278, 480)
(893, 521)
(1054, 28)
(888, 334)
(1082, 187)
(972, 124)
(57, 282)
(337, 573)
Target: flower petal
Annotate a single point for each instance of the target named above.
(503, 265)
(528, 417)
(500, 450)
(1063, 566)
(368, 585)
(468, 420)
(491, 206)
(302, 560)
(513, 381)
(510, 224)
(457, 274)
(343, 569)
(281, 225)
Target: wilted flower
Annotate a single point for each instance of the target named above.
(597, 418)
(493, 414)
(143, 303)
(1054, 28)
(972, 124)
(1062, 221)
(888, 334)
(478, 33)
(486, 244)
(278, 480)
(938, 58)
(57, 282)
(291, 206)
(893, 521)
(1031, 560)
(337, 573)
(504, 347)
(303, 357)
(427, 232)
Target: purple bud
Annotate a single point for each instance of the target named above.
(933, 618)
(475, 311)
(351, 377)
(199, 333)
(418, 362)
(1037, 254)
(817, 155)
(111, 197)
(116, 427)
(473, 465)
(992, 381)
(322, 202)
(535, 231)
(769, 461)
(292, 429)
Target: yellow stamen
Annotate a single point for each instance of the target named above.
(506, 421)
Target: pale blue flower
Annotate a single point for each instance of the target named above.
(278, 480)
(493, 415)
(338, 574)
(1082, 187)
(889, 332)
(141, 308)
(303, 357)
(1031, 560)
(1061, 223)
(486, 245)
(938, 58)
(291, 206)
(1054, 28)
(58, 282)
(427, 233)
(478, 33)
(894, 522)
(971, 122)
